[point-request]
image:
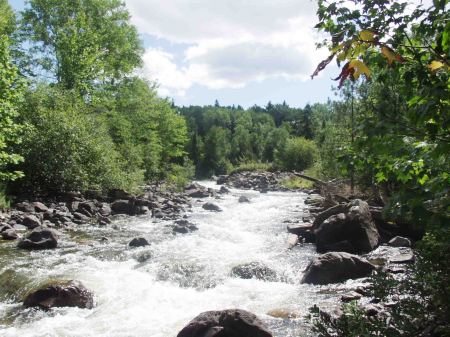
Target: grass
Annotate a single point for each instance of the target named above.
(297, 183)
(252, 167)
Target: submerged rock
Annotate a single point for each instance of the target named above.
(243, 199)
(225, 323)
(40, 238)
(61, 294)
(255, 270)
(336, 267)
(183, 226)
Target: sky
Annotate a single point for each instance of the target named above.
(240, 52)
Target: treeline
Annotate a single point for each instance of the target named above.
(72, 114)
(222, 138)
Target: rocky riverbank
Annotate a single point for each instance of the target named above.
(353, 239)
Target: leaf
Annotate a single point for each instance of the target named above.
(367, 36)
(391, 55)
(434, 66)
(360, 68)
(345, 73)
(322, 65)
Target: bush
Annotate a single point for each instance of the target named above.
(66, 149)
(253, 166)
(298, 155)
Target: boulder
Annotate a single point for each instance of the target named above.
(400, 241)
(31, 221)
(9, 234)
(336, 267)
(81, 218)
(353, 231)
(209, 206)
(305, 230)
(221, 179)
(62, 294)
(243, 199)
(195, 190)
(123, 207)
(224, 190)
(225, 323)
(25, 207)
(255, 270)
(105, 209)
(40, 238)
(292, 240)
(40, 207)
(183, 226)
(138, 242)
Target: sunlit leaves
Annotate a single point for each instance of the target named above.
(367, 36)
(391, 55)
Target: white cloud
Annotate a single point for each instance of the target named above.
(231, 42)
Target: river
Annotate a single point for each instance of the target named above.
(154, 291)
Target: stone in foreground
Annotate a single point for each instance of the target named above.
(63, 294)
(400, 241)
(336, 267)
(225, 323)
(40, 238)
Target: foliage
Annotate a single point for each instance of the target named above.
(252, 166)
(423, 301)
(81, 42)
(66, 149)
(297, 155)
(11, 87)
(297, 183)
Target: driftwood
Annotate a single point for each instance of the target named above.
(321, 217)
(326, 190)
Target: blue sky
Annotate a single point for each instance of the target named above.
(242, 52)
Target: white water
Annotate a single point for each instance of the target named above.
(185, 275)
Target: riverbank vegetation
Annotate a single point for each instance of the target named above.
(399, 148)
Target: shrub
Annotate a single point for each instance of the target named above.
(67, 149)
(298, 155)
(252, 166)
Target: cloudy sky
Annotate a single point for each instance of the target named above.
(237, 51)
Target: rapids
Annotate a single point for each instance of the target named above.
(154, 291)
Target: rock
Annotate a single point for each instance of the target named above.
(225, 323)
(292, 240)
(407, 257)
(88, 206)
(105, 209)
(255, 270)
(209, 206)
(118, 194)
(195, 190)
(336, 267)
(123, 207)
(183, 226)
(40, 207)
(62, 294)
(31, 221)
(138, 242)
(284, 314)
(9, 234)
(81, 218)
(221, 179)
(399, 241)
(224, 190)
(25, 207)
(355, 228)
(352, 296)
(305, 230)
(243, 199)
(39, 238)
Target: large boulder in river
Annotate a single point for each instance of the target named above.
(39, 238)
(336, 267)
(138, 242)
(62, 294)
(255, 270)
(352, 231)
(209, 206)
(31, 221)
(225, 323)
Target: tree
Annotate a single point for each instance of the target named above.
(11, 86)
(81, 42)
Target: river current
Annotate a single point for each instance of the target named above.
(155, 291)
